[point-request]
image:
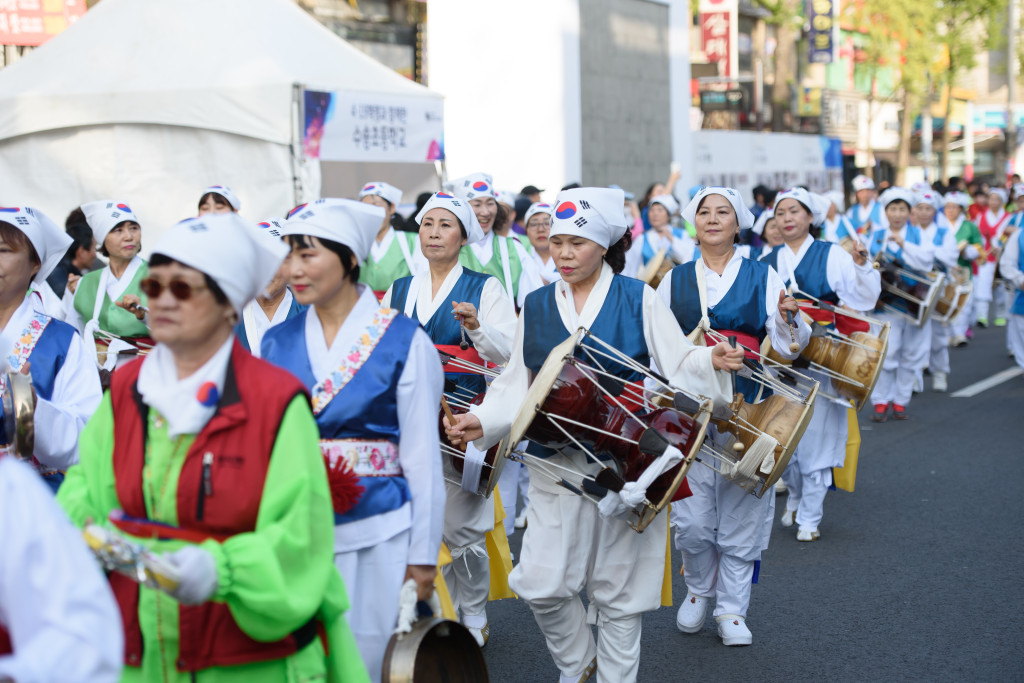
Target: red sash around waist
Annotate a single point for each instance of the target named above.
(751, 344)
(470, 355)
(843, 323)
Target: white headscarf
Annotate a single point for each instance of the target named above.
(507, 198)
(1000, 192)
(229, 249)
(744, 218)
(666, 200)
(815, 203)
(472, 186)
(460, 208)
(389, 193)
(49, 241)
(763, 219)
(930, 197)
(538, 207)
(591, 212)
(346, 221)
(837, 199)
(273, 227)
(105, 215)
(862, 182)
(225, 192)
(962, 199)
(894, 193)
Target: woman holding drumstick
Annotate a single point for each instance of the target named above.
(568, 545)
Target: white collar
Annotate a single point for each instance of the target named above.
(733, 264)
(18, 322)
(323, 360)
(420, 289)
(484, 249)
(595, 300)
(378, 249)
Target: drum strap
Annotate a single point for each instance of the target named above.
(697, 336)
(844, 324)
(472, 468)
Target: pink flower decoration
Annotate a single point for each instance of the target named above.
(376, 459)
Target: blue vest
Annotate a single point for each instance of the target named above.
(47, 358)
(366, 409)
(648, 251)
(1018, 301)
(875, 216)
(444, 330)
(293, 311)
(620, 324)
(914, 235)
(741, 309)
(812, 273)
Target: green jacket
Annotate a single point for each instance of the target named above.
(968, 234)
(272, 578)
(494, 267)
(378, 275)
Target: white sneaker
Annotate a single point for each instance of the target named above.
(690, 617)
(733, 630)
(959, 340)
(939, 382)
(520, 522)
(918, 384)
(807, 535)
(480, 635)
(780, 487)
(788, 518)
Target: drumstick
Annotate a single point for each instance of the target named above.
(793, 346)
(737, 446)
(464, 344)
(451, 419)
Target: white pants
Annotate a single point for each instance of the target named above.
(568, 546)
(524, 486)
(1015, 338)
(938, 360)
(807, 495)
(986, 292)
(958, 327)
(467, 517)
(373, 578)
(909, 347)
(721, 530)
(508, 486)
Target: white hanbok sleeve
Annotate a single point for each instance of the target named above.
(419, 449)
(776, 325)
(76, 395)
(71, 316)
(386, 301)
(682, 248)
(504, 396)
(1009, 262)
(54, 601)
(916, 256)
(857, 286)
(530, 278)
(686, 366)
(493, 339)
(634, 257)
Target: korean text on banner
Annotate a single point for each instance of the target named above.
(343, 126)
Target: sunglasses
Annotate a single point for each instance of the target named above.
(180, 290)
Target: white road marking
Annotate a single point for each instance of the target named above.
(986, 384)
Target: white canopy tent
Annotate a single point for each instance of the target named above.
(150, 101)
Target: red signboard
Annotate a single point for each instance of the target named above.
(716, 33)
(33, 22)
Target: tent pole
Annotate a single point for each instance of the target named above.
(296, 146)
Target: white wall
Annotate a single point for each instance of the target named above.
(511, 82)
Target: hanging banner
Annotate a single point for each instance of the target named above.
(718, 26)
(352, 126)
(33, 22)
(822, 21)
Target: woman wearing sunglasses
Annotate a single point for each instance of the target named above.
(117, 332)
(210, 456)
(376, 384)
(63, 372)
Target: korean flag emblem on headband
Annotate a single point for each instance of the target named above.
(472, 186)
(591, 212)
(389, 193)
(460, 208)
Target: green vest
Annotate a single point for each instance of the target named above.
(969, 233)
(378, 275)
(113, 318)
(493, 267)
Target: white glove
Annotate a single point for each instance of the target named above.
(971, 252)
(198, 572)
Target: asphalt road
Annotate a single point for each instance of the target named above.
(917, 576)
